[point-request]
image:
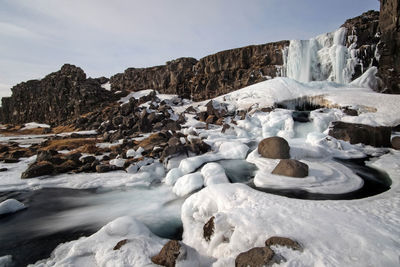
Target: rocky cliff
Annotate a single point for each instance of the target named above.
(211, 76)
(389, 48)
(363, 34)
(56, 98)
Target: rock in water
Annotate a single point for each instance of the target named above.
(274, 148)
(291, 168)
(255, 257)
(168, 254)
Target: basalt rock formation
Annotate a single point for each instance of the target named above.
(363, 34)
(59, 96)
(209, 77)
(389, 47)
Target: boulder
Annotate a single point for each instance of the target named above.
(255, 257)
(283, 241)
(88, 159)
(360, 133)
(46, 155)
(274, 148)
(396, 142)
(38, 169)
(291, 168)
(168, 254)
(103, 168)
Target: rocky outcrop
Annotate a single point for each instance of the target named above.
(209, 77)
(59, 96)
(389, 47)
(360, 133)
(363, 34)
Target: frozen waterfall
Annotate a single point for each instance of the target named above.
(324, 57)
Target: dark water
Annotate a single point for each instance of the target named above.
(32, 234)
(18, 234)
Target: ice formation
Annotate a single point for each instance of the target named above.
(324, 57)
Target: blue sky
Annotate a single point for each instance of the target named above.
(105, 37)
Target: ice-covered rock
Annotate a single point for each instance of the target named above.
(188, 183)
(213, 173)
(10, 206)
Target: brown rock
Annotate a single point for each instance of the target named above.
(120, 244)
(168, 254)
(396, 142)
(291, 168)
(283, 241)
(208, 229)
(360, 133)
(255, 257)
(102, 168)
(38, 169)
(210, 119)
(274, 148)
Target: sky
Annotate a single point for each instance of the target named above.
(105, 37)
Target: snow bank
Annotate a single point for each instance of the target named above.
(10, 206)
(97, 249)
(32, 125)
(188, 184)
(333, 233)
(214, 173)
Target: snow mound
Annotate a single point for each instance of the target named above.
(10, 206)
(214, 173)
(33, 125)
(333, 233)
(188, 184)
(97, 249)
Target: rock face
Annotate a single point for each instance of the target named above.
(255, 257)
(211, 76)
(362, 33)
(274, 148)
(389, 62)
(360, 133)
(54, 99)
(291, 168)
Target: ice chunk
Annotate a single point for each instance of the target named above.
(214, 173)
(172, 176)
(233, 150)
(119, 162)
(10, 206)
(188, 183)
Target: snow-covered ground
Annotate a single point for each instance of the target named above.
(362, 232)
